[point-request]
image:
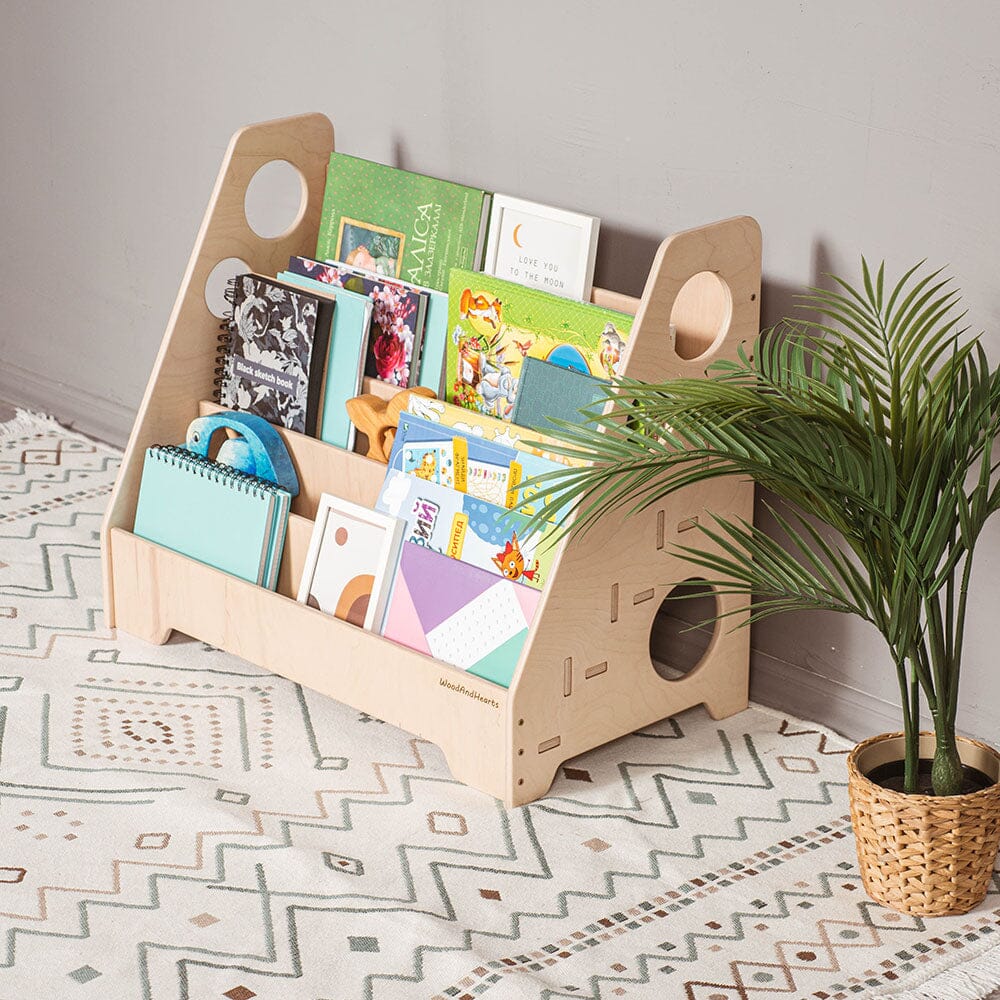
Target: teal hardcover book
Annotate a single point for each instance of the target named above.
(226, 519)
(345, 366)
(549, 391)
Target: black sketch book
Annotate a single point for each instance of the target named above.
(274, 356)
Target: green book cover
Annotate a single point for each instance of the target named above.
(399, 224)
(496, 324)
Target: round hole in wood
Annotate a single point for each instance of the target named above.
(520, 781)
(678, 640)
(217, 281)
(520, 752)
(520, 722)
(275, 199)
(701, 315)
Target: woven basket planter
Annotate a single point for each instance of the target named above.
(930, 856)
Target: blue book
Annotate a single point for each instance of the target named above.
(465, 462)
(345, 366)
(546, 390)
(210, 512)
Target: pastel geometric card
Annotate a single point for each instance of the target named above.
(460, 614)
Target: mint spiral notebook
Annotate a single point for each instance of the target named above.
(212, 513)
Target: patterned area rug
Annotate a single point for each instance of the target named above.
(176, 823)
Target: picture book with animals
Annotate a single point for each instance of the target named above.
(398, 314)
(467, 463)
(346, 357)
(464, 527)
(273, 363)
(437, 411)
(400, 224)
(496, 324)
(459, 613)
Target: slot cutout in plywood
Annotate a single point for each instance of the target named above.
(596, 670)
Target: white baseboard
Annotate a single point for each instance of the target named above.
(79, 409)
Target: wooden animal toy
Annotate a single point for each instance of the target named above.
(378, 419)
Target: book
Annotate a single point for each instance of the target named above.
(543, 247)
(496, 324)
(460, 614)
(464, 527)
(430, 371)
(502, 432)
(345, 365)
(546, 391)
(400, 224)
(350, 563)
(274, 358)
(398, 314)
(207, 511)
(466, 462)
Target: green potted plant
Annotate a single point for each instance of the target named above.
(875, 419)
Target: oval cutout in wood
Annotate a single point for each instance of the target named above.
(275, 199)
(700, 315)
(217, 281)
(675, 647)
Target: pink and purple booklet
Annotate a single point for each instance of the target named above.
(459, 613)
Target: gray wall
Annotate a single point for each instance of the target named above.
(843, 128)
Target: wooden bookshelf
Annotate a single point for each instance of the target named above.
(585, 675)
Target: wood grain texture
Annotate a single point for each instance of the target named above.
(183, 372)
(323, 468)
(585, 675)
(159, 590)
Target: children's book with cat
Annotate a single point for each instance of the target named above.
(466, 528)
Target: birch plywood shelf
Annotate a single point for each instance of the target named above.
(585, 675)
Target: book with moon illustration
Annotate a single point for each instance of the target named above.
(484, 469)
(541, 246)
(350, 563)
(460, 614)
(464, 527)
(496, 324)
(400, 224)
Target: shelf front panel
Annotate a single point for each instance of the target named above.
(160, 590)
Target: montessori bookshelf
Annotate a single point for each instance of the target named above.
(585, 675)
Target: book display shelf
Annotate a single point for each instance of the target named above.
(585, 675)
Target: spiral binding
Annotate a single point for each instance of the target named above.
(223, 350)
(208, 468)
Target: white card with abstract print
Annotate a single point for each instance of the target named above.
(351, 562)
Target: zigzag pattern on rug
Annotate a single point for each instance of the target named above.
(177, 823)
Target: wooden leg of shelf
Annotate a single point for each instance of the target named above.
(728, 702)
(527, 786)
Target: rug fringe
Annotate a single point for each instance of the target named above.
(974, 979)
(31, 421)
(25, 421)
